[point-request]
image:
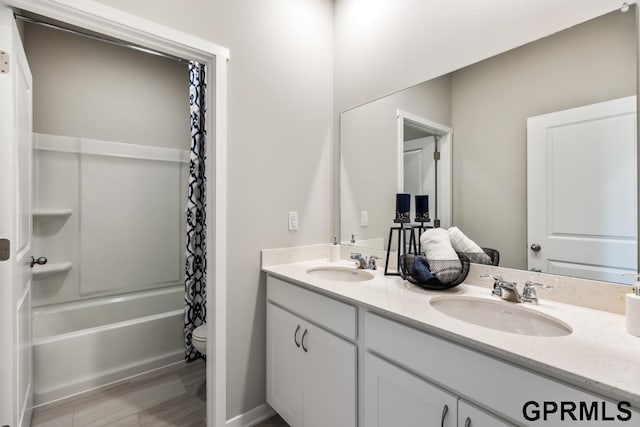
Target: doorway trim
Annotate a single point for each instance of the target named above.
(100, 18)
(444, 201)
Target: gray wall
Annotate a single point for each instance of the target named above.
(589, 63)
(91, 89)
(383, 46)
(280, 148)
(368, 169)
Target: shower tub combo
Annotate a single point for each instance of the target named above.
(109, 304)
(82, 345)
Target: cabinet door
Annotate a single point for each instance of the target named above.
(284, 364)
(330, 378)
(395, 397)
(470, 416)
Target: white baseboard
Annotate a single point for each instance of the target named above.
(252, 417)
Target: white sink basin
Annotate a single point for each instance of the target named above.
(502, 316)
(341, 274)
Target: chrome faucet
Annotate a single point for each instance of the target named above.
(508, 291)
(363, 263)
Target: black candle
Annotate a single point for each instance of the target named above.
(403, 207)
(422, 208)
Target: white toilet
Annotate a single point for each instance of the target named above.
(199, 338)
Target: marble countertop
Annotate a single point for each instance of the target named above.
(599, 355)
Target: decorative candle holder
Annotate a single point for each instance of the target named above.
(402, 242)
(422, 208)
(403, 208)
(403, 216)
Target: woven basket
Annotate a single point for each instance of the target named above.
(406, 265)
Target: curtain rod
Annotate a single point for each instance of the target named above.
(98, 38)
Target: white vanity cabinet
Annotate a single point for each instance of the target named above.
(394, 397)
(311, 363)
(284, 364)
(497, 387)
(338, 364)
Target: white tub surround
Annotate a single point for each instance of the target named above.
(105, 310)
(599, 356)
(88, 199)
(82, 345)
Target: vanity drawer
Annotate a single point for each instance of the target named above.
(490, 383)
(324, 311)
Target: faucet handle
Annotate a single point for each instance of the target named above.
(531, 285)
(361, 262)
(497, 290)
(529, 293)
(372, 261)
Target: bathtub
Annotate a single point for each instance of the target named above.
(82, 345)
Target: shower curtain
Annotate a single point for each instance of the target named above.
(195, 295)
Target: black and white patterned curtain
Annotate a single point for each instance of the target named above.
(195, 295)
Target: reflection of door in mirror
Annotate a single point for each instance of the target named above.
(581, 179)
(425, 165)
(419, 168)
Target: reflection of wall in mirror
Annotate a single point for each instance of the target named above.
(489, 104)
(491, 101)
(368, 175)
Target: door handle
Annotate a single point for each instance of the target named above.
(40, 261)
(304, 334)
(445, 411)
(467, 422)
(295, 337)
(535, 247)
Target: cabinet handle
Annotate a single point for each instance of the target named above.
(295, 337)
(467, 422)
(304, 334)
(445, 410)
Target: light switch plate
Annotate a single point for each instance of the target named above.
(364, 218)
(293, 221)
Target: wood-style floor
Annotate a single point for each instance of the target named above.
(171, 397)
(275, 421)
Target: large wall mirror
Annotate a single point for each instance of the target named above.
(541, 164)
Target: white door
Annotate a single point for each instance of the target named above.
(329, 379)
(394, 397)
(419, 169)
(581, 191)
(15, 226)
(284, 364)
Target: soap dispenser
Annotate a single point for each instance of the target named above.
(633, 309)
(334, 250)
